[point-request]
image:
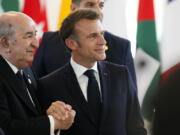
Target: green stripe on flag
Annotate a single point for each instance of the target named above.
(146, 38)
(10, 5)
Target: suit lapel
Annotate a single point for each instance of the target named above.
(105, 83)
(11, 80)
(32, 92)
(77, 95)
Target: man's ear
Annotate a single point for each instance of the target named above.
(4, 42)
(74, 7)
(71, 44)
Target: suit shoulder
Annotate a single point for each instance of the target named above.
(114, 67)
(50, 39)
(50, 35)
(110, 36)
(57, 73)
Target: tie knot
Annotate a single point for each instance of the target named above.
(19, 75)
(89, 73)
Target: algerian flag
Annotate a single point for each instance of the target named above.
(9, 5)
(147, 60)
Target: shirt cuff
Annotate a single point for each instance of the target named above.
(51, 120)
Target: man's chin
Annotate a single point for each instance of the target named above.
(30, 60)
(30, 53)
(102, 58)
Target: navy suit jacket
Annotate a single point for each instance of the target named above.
(120, 113)
(18, 116)
(52, 54)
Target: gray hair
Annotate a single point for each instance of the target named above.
(6, 29)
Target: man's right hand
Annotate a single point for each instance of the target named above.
(63, 115)
(66, 123)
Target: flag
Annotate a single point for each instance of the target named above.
(115, 15)
(170, 42)
(64, 11)
(9, 5)
(147, 60)
(36, 9)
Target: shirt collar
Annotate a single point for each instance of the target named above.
(79, 69)
(14, 68)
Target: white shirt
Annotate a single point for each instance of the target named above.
(51, 119)
(83, 79)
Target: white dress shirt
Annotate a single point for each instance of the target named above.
(83, 79)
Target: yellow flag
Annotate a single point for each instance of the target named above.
(64, 11)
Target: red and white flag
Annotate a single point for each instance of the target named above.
(36, 9)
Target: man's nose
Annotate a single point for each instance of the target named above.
(35, 42)
(102, 40)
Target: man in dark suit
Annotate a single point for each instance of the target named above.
(167, 108)
(52, 54)
(102, 93)
(20, 113)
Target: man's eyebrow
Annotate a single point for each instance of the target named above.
(89, 2)
(30, 33)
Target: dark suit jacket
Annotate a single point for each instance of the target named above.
(29, 72)
(1, 132)
(167, 107)
(120, 110)
(18, 116)
(52, 54)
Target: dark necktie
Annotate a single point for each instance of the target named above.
(93, 94)
(21, 78)
(23, 83)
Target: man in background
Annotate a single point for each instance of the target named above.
(52, 54)
(20, 112)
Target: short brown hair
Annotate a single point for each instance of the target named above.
(67, 27)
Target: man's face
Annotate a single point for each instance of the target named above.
(93, 4)
(23, 43)
(90, 44)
